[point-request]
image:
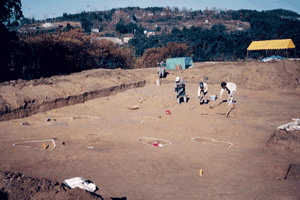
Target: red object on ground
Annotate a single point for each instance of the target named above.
(168, 112)
(155, 144)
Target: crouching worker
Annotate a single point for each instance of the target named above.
(231, 88)
(180, 89)
(161, 69)
(202, 91)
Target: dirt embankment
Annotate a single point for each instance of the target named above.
(23, 98)
(252, 75)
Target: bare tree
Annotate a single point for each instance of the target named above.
(176, 9)
(45, 16)
(214, 9)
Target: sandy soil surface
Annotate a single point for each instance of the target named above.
(102, 140)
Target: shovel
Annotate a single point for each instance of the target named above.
(195, 104)
(212, 106)
(134, 107)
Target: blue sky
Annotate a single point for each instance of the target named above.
(41, 9)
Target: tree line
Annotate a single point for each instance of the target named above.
(64, 51)
(218, 44)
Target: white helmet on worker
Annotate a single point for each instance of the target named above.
(177, 79)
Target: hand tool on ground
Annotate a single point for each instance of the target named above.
(195, 104)
(134, 107)
(214, 105)
(213, 113)
(297, 79)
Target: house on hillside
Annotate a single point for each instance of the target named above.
(94, 30)
(47, 25)
(126, 39)
(149, 32)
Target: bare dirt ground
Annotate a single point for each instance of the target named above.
(103, 141)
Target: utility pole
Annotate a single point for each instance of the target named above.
(53, 16)
(88, 6)
(29, 8)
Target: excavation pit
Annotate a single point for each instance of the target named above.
(84, 117)
(154, 141)
(36, 124)
(69, 119)
(37, 144)
(60, 119)
(212, 141)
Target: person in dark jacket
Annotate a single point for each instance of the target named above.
(180, 89)
(161, 69)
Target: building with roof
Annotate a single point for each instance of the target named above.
(149, 32)
(47, 25)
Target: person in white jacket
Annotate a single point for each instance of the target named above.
(230, 88)
(202, 91)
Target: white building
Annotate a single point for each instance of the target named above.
(126, 39)
(47, 25)
(149, 32)
(95, 30)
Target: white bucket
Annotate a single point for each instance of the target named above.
(157, 82)
(213, 97)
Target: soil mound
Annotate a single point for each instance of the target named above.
(251, 75)
(18, 186)
(285, 140)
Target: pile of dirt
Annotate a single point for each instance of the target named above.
(18, 186)
(251, 75)
(285, 140)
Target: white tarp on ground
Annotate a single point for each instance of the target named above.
(81, 183)
(47, 25)
(295, 125)
(273, 58)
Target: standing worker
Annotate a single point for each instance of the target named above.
(231, 88)
(180, 89)
(202, 91)
(161, 69)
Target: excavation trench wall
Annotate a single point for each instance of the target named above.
(36, 105)
(21, 98)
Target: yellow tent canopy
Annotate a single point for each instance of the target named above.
(271, 44)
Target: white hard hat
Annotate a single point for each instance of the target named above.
(177, 79)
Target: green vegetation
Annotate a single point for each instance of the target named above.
(45, 53)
